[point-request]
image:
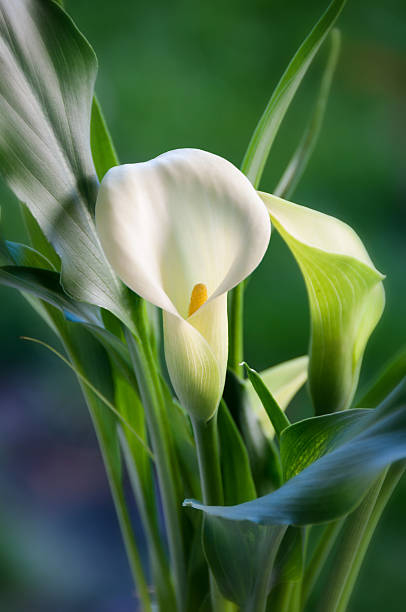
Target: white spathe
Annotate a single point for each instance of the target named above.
(166, 225)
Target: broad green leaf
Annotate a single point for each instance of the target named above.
(33, 274)
(47, 74)
(390, 377)
(263, 455)
(238, 483)
(267, 128)
(276, 415)
(283, 381)
(345, 293)
(241, 557)
(301, 156)
(334, 484)
(308, 440)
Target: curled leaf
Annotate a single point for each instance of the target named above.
(346, 297)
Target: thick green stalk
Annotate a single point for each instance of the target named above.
(356, 538)
(235, 330)
(319, 557)
(207, 446)
(296, 599)
(151, 395)
(206, 437)
(280, 598)
(357, 533)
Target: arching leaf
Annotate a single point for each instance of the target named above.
(334, 484)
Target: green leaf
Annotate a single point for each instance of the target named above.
(345, 293)
(334, 484)
(38, 240)
(181, 435)
(308, 440)
(238, 483)
(276, 415)
(289, 561)
(283, 381)
(140, 439)
(103, 151)
(300, 158)
(267, 128)
(47, 72)
(390, 377)
(18, 254)
(262, 452)
(139, 468)
(45, 285)
(241, 557)
(91, 361)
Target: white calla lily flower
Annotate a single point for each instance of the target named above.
(182, 230)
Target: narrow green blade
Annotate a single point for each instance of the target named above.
(267, 128)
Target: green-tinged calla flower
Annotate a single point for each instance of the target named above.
(181, 230)
(346, 297)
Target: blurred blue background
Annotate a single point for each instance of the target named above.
(199, 74)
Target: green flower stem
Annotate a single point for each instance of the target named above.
(319, 557)
(207, 446)
(235, 330)
(151, 395)
(280, 598)
(358, 531)
(158, 558)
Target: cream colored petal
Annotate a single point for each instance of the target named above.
(196, 356)
(183, 218)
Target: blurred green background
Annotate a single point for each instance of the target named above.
(179, 74)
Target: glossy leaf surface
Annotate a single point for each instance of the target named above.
(334, 484)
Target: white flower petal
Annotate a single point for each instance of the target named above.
(183, 218)
(196, 356)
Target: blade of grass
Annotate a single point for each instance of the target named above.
(300, 158)
(267, 128)
(260, 145)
